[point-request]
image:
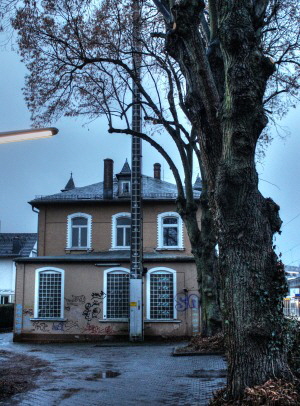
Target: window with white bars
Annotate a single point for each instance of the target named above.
(161, 290)
(49, 293)
(116, 302)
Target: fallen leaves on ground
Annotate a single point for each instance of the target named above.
(18, 373)
(214, 344)
(272, 393)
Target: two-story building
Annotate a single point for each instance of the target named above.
(77, 288)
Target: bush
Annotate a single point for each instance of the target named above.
(6, 316)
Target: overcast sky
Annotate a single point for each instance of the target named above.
(43, 166)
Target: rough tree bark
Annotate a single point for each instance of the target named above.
(203, 243)
(245, 221)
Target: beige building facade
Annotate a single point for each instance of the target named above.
(77, 288)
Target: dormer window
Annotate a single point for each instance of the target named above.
(125, 187)
(124, 178)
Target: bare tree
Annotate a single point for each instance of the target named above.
(206, 85)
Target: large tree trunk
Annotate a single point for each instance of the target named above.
(252, 284)
(229, 126)
(203, 243)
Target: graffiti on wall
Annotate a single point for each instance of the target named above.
(93, 308)
(18, 319)
(65, 325)
(91, 329)
(74, 301)
(28, 311)
(183, 302)
(76, 307)
(41, 326)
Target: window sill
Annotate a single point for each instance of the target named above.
(162, 321)
(47, 319)
(170, 249)
(78, 249)
(114, 321)
(119, 249)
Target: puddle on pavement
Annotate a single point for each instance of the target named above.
(69, 392)
(208, 373)
(103, 375)
(34, 350)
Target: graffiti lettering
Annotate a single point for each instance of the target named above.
(90, 329)
(65, 325)
(92, 309)
(184, 302)
(18, 318)
(28, 312)
(74, 301)
(70, 324)
(40, 326)
(100, 295)
(58, 326)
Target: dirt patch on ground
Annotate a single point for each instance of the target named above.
(204, 345)
(19, 373)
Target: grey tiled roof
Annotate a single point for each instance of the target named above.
(109, 256)
(198, 183)
(70, 185)
(16, 244)
(294, 282)
(126, 169)
(153, 189)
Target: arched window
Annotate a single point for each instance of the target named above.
(49, 293)
(121, 224)
(79, 231)
(169, 231)
(161, 292)
(116, 288)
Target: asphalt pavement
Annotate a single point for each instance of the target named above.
(118, 374)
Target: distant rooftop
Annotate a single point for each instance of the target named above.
(17, 244)
(152, 188)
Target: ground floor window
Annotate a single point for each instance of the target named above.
(116, 288)
(161, 290)
(49, 293)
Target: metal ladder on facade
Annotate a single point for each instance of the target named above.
(136, 328)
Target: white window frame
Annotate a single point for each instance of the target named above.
(36, 292)
(2, 296)
(115, 217)
(89, 231)
(160, 270)
(118, 270)
(160, 232)
(122, 183)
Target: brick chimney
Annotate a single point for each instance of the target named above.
(108, 178)
(16, 245)
(156, 168)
